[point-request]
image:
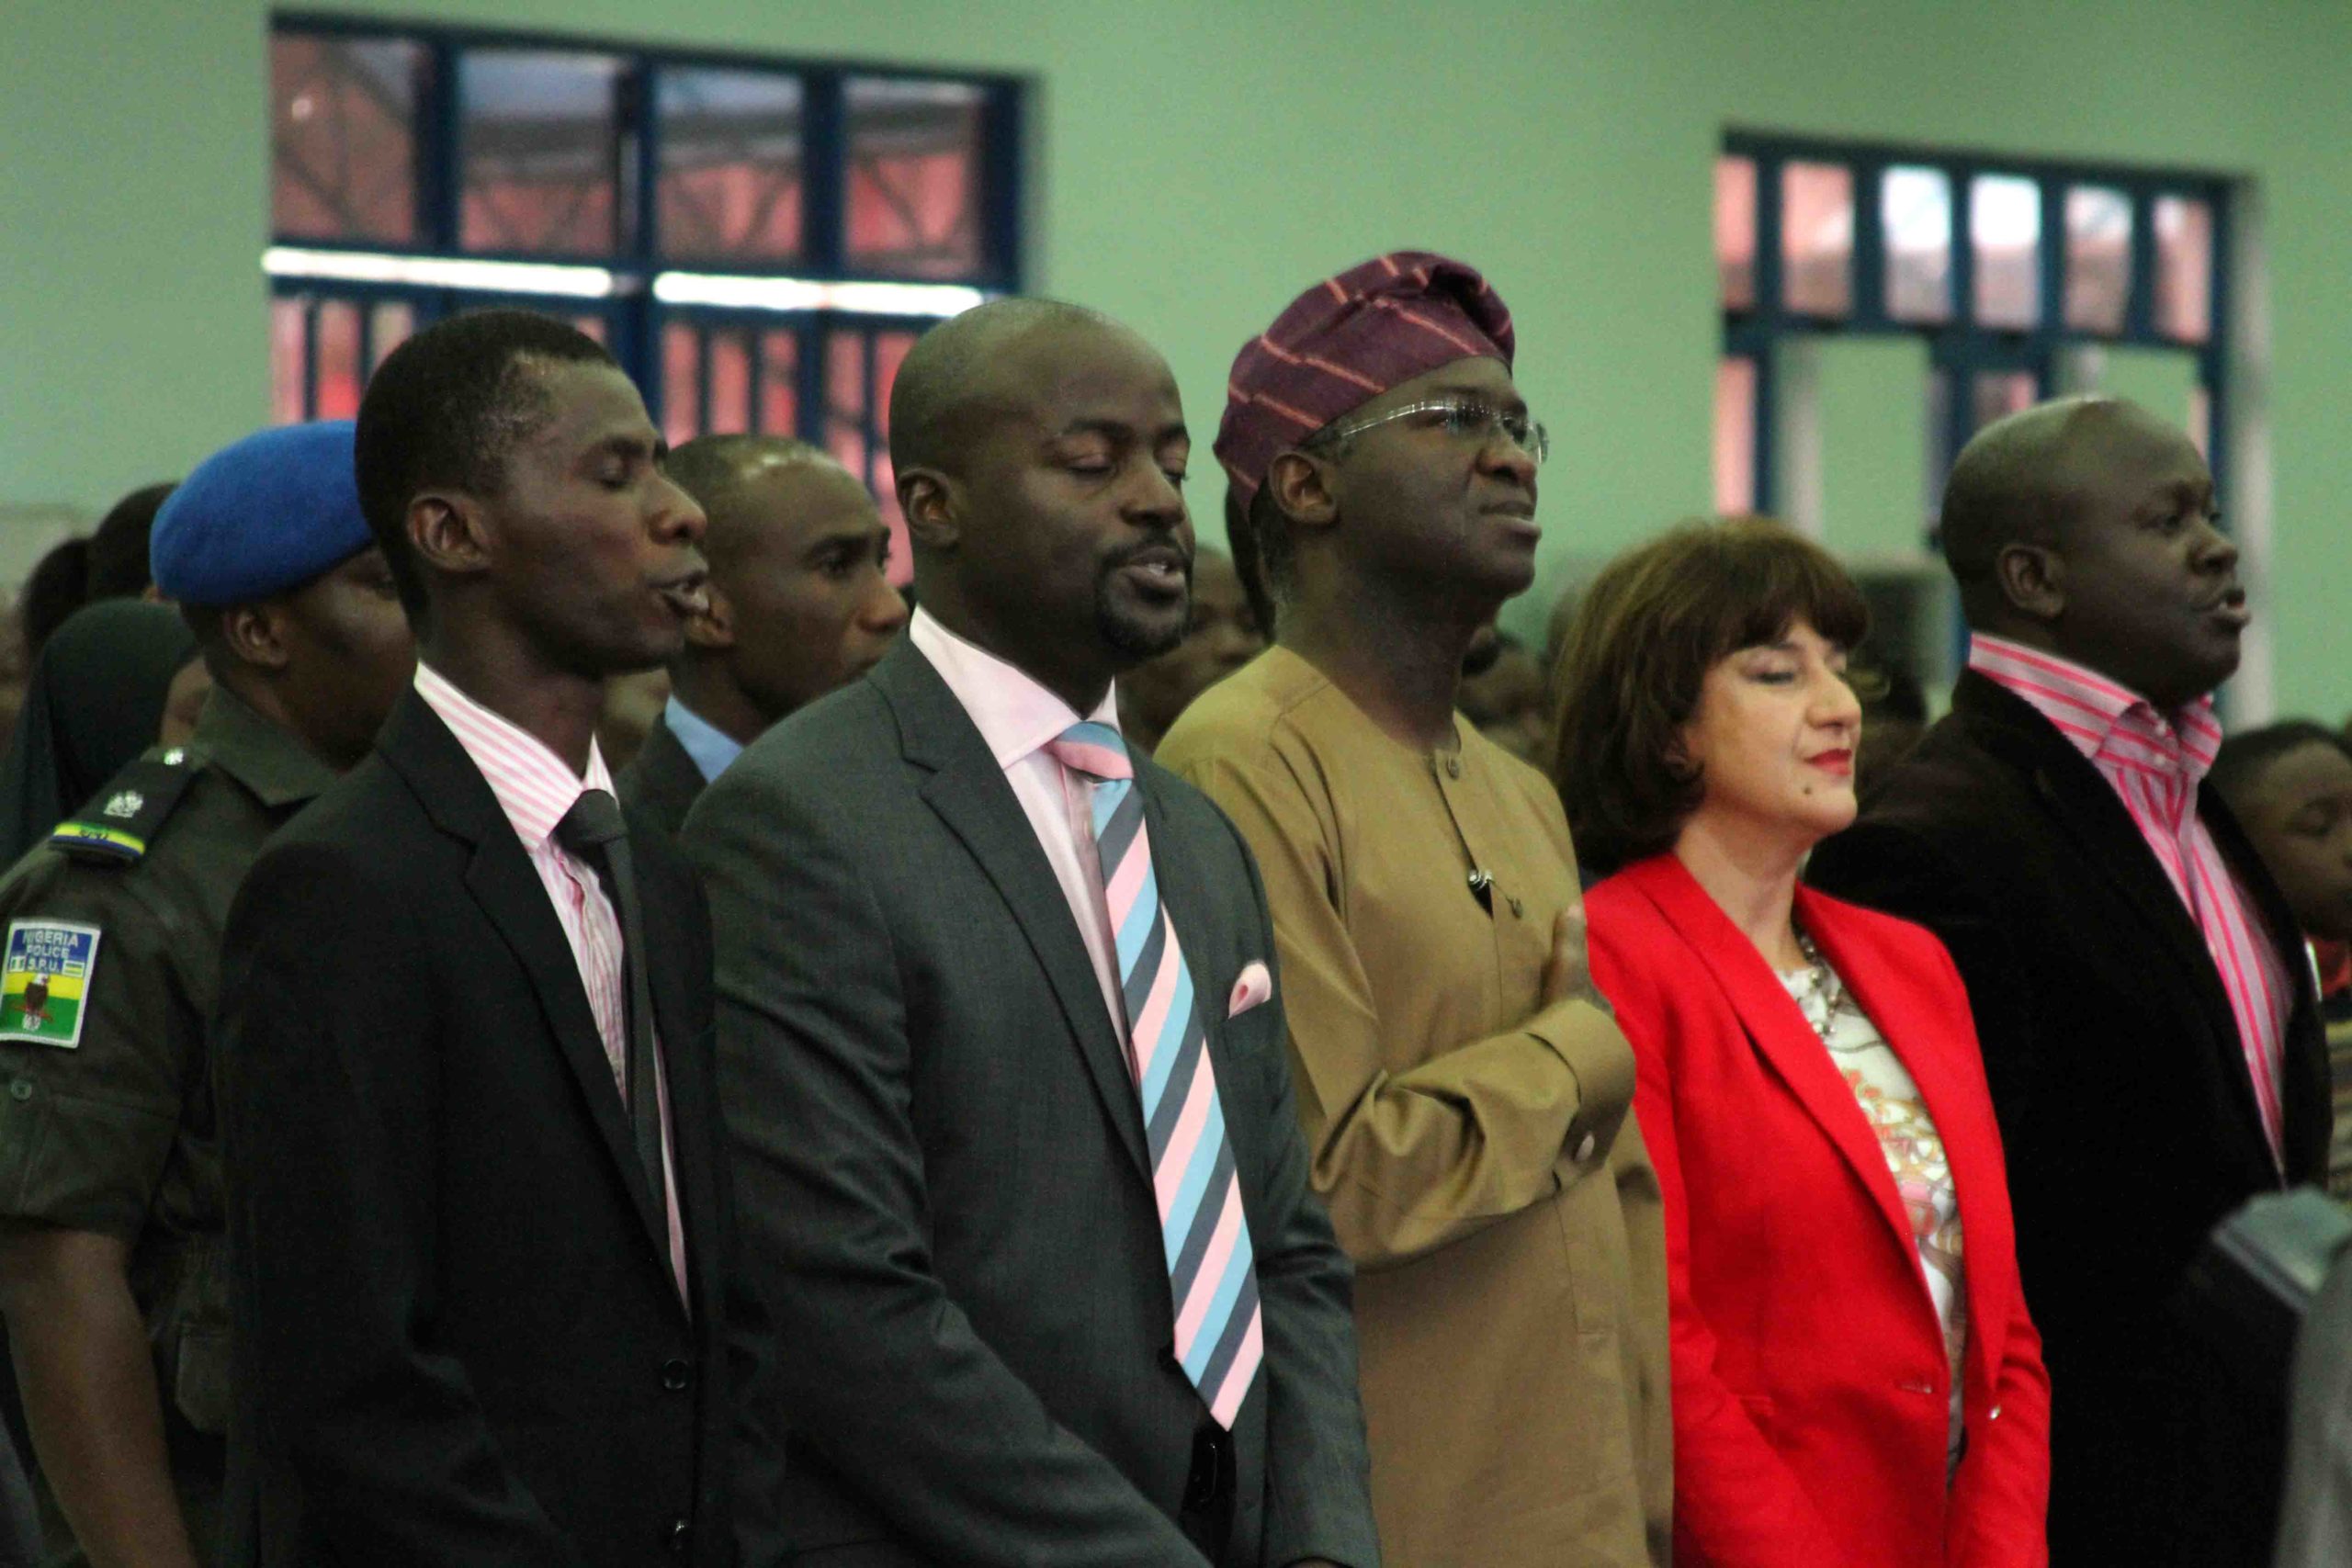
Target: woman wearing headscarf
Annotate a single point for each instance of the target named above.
(95, 700)
(1853, 1386)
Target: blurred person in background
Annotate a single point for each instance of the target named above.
(117, 556)
(58, 585)
(1506, 700)
(1223, 636)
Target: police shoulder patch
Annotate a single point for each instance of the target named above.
(116, 825)
(45, 981)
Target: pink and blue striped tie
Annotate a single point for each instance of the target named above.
(1212, 1280)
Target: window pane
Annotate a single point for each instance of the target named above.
(1817, 237)
(287, 332)
(343, 138)
(2200, 421)
(845, 400)
(2005, 227)
(390, 324)
(1734, 437)
(541, 141)
(338, 359)
(2099, 258)
(1735, 232)
(1999, 394)
(913, 177)
(729, 182)
(730, 385)
(1914, 210)
(780, 384)
(2184, 268)
(681, 383)
(591, 326)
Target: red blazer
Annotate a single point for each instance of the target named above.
(1811, 1390)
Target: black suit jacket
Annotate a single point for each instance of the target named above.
(661, 783)
(457, 1333)
(2123, 1094)
(943, 1172)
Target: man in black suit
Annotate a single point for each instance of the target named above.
(1020, 1168)
(477, 1198)
(2145, 1010)
(799, 607)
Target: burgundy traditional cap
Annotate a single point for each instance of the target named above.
(1348, 340)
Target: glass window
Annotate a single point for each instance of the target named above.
(389, 324)
(913, 177)
(731, 165)
(1915, 211)
(2099, 258)
(729, 411)
(2005, 230)
(541, 151)
(1735, 232)
(336, 325)
(289, 331)
(342, 137)
(2001, 393)
(2183, 295)
(780, 384)
(681, 383)
(1817, 237)
(1734, 436)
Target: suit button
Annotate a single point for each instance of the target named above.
(1584, 1149)
(682, 1535)
(676, 1375)
(22, 1089)
(1994, 1415)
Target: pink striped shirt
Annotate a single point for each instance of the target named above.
(535, 787)
(2154, 766)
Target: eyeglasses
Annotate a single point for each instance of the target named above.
(1467, 417)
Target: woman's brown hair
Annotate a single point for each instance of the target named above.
(1652, 624)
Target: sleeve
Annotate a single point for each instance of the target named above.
(86, 1129)
(1318, 1468)
(327, 1111)
(879, 1371)
(1410, 1161)
(1734, 1498)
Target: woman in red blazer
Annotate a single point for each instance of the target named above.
(1856, 1382)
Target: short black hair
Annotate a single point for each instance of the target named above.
(58, 585)
(933, 397)
(2246, 757)
(445, 409)
(119, 567)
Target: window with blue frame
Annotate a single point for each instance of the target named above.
(2017, 275)
(758, 241)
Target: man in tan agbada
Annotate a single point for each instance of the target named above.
(1468, 1100)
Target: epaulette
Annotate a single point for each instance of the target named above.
(116, 825)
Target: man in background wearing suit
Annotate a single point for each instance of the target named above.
(2148, 1020)
(1000, 1050)
(477, 1202)
(798, 605)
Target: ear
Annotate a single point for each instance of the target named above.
(256, 634)
(933, 511)
(1301, 487)
(715, 628)
(2032, 577)
(448, 530)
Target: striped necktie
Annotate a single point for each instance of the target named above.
(1212, 1284)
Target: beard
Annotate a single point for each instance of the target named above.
(1134, 635)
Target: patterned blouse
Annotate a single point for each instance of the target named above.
(1914, 1153)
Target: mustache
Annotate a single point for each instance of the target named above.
(1165, 543)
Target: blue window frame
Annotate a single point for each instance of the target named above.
(2038, 258)
(755, 239)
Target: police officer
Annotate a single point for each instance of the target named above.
(112, 1269)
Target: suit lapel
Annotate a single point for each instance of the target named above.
(511, 896)
(969, 791)
(1776, 1027)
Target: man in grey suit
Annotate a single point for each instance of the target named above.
(1021, 1181)
(797, 607)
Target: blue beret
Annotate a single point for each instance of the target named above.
(260, 516)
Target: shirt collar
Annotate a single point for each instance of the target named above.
(1016, 714)
(535, 787)
(2099, 714)
(711, 747)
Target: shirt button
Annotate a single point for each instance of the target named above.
(1994, 1415)
(682, 1535)
(1584, 1149)
(22, 1088)
(676, 1375)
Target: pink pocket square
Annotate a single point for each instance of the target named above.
(1256, 985)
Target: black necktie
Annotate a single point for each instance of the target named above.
(593, 830)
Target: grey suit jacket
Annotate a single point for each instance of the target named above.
(661, 783)
(943, 1183)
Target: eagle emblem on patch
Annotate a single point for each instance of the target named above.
(45, 981)
(125, 804)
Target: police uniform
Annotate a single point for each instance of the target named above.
(111, 959)
(113, 929)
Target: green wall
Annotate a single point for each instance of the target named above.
(1196, 161)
